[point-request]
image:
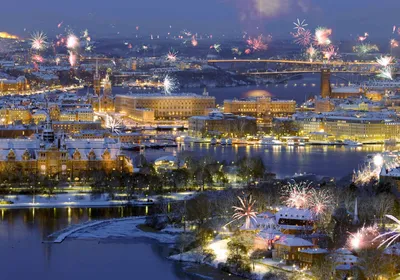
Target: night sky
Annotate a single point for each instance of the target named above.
(345, 17)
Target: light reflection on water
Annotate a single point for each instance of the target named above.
(285, 160)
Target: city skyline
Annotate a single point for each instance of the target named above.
(231, 16)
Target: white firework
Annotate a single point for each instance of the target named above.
(113, 124)
(172, 56)
(38, 41)
(386, 73)
(245, 210)
(391, 236)
(170, 84)
(384, 61)
(300, 25)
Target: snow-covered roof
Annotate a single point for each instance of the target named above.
(167, 158)
(294, 214)
(314, 251)
(294, 242)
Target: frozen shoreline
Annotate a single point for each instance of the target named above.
(112, 229)
(85, 200)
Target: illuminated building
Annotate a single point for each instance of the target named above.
(18, 85)
(260, 107)
(75, 126)
(67, 158)
(165, 107)
(217, 123)
(79, 115)
(366, 127)
(324, 105)
(18, 114)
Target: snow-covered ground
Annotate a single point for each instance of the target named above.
(84, 200)
(109, 229)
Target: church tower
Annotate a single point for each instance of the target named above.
(325, 83)
(97, 80)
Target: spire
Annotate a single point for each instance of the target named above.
(356, 221)
(97, 67)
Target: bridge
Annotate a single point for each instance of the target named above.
(313, 72)
(287, 61)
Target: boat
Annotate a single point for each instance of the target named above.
(351, 143)
(290, 142)
(229, 141)
(270, 141)
(223, 141)
(213, 141)
(130, 147)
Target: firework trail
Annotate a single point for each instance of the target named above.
(391, 236)
(244, 211)
(72, 58)
(386, 73)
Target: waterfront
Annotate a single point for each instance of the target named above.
(23, 230)
(284, 160)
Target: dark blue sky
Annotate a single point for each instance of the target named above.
(345, 17)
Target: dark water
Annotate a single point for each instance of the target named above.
(24, 256)
(298, 89)
(332, 161)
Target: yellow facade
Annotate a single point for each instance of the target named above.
(165, 107)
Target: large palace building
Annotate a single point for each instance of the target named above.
(156, 106)
(17, 85)
(67, 158)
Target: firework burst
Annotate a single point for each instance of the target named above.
(391, 236)
(302, 37)
(114, 124)
(300, 25)
(257, 44)
(363, 49)
(172, 56)
(394, 43)
(321, 36)
(320, 201)
(38, 41)
(311, 53)
(329, 52)
(216, 47)
(363, 238)
(72, 42)
(245, 211)
(170, 84)
(384, 61)
(194, 41)
(297, 195)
